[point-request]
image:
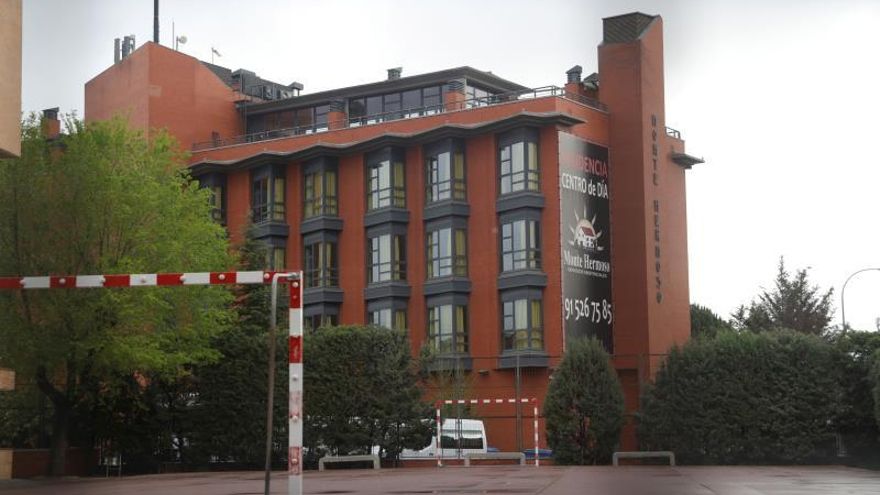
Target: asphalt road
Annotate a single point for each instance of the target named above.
(550, 480)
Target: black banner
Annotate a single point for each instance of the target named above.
(586, 240)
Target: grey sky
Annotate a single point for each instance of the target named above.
(780, 97)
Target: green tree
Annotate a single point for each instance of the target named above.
(231, 406)
(792, 303)
(361, 391)
(875, 380)
(855, 421)
(584, 406)
(705, 323)
(744, 398)
(104, 200)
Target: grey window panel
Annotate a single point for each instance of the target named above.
(518, 200)
(446, 208)
(523, 278)
(388, 289)
(388, 214)
(382, 228)
(451, 362)
(524, 134)
(527, 359)
(269, 229)
(446, 222)
(321, 222)
(319, 295)
(520, 292)
(320, 309)
(387, 303)
(454, 298)
(446, 285)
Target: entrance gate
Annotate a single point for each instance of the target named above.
(295, 334)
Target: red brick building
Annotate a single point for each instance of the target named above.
(491, 220)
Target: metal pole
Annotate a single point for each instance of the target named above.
(843, 292)
(439, 435)
(156, 21)
(295, 388)
(535, 413)
(519, 424)
(270, 400)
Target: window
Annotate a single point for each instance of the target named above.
(319, 197)
(320, 267)
(520, 245)
(277, 258)
(447, 328)
(444, 176)
(386, 258)
(268, 198)
(317, 321)
(389, 318)
(218, 206)
(519, 167)
(447, 253)
(386, 184)
(522, 325)
(477, 97)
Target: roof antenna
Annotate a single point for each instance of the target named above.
(156, 21)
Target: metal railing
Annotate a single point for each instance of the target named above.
(673, 133)
(358, 121)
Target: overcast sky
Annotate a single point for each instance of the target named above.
(780, 98)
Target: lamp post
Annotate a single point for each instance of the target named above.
(843, 292)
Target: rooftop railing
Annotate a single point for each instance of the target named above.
(362, 120)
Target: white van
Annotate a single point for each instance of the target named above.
(459, 437)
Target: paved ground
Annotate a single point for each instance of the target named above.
(489, 480)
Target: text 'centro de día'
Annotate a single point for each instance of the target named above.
(585, 186)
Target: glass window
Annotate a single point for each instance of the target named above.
(386, 185)
(447, 253)
(321, 117)
(389, 318)
(319, 197)
(267, 198)
(412, 103)
(320, 265)
(305, 119)
(520, 245)
(218, 203)
(386, 258)
(519, 167)
(391, 107)
(432, 100)
(444, 176)
(523, 327)
(357, 110)
(374, 109)
(319, 321)
(277, 258)
(447, 328)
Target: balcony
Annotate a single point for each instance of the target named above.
(366, 120)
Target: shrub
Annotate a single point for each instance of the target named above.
(743, 398)
(584, 406)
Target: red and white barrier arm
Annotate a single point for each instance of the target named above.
(136, 280)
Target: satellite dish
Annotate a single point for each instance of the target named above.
(181, 39)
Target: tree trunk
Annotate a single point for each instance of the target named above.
(60, 423)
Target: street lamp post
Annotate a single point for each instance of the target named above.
(843, 292)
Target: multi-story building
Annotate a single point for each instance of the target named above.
(490, 220)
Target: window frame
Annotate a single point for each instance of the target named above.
(529, 178)
(396, 267)
(320, 171)
(394, 194)
(455, 264)
(515, 333)
(454, 186)
(458, 332)
(270, 182)
(320, 263)
(528, 257)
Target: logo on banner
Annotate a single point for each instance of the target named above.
(586, 236)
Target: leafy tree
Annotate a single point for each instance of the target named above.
(855, 421)
(875, 380)
(106, 200)
(231, 407)
(704, 322)
(744, 398)
(584, 406)
(793, 303)
(361, 391)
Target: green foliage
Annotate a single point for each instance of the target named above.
(855, 421)
(743, 398)
(705, 323)
(875, 381)
(792, 303)
(230, 415)
(584, 406)
(360, 391)
(104, 200)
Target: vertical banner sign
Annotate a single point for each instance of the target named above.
(586, 240)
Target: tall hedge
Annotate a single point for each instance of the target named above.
(744, 398)
(584, 406)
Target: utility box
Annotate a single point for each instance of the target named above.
(7, 380)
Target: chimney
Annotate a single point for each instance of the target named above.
(50, 124)
(117, 47)
(394, 73)
(574, 74)
(156, 21)
(126, 46)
